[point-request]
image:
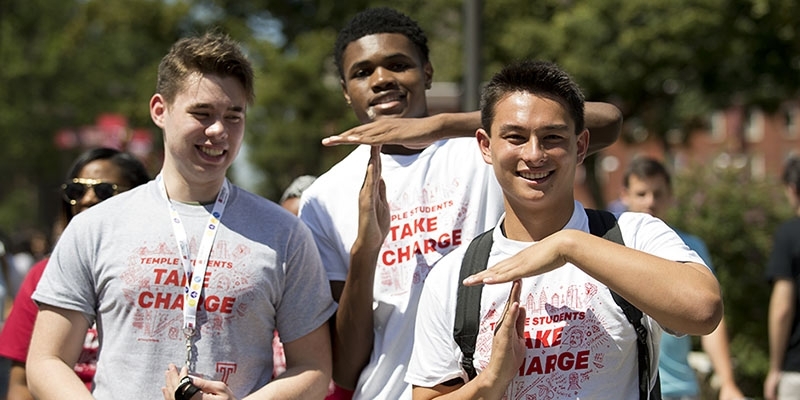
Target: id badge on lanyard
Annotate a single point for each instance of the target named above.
(195, 272)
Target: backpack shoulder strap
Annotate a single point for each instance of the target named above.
(468, 300)
(604, 224)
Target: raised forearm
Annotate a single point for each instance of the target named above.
(353, 334)
(683, 297)
(604, 122)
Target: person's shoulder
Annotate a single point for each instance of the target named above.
(635, 224)
(447, 269)
(789, 226)
(255, 206)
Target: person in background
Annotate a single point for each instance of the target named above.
(571, 339)
(290, 199)
(647, 188)
(783, 272)
(440, 192)
(188, 269)
(94, 176)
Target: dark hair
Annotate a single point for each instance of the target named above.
(212, 53)
(374, 21)
(791, 173)
(133, 171)
(646, 167)
(536, 77)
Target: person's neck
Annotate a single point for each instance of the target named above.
(182, 190)
(525, 225)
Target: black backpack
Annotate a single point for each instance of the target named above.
(468, 303)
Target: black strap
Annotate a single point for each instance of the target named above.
(468, 299)
(601, 223)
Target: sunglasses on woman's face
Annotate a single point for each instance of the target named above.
(76, 189)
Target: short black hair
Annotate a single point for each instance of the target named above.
(541, 78)
(378, 20)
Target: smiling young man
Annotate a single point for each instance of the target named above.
(188, 269)
(440, 194)
(556, 332)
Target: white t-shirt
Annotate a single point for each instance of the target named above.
(119, 264)
(439, 199)
(580, 344)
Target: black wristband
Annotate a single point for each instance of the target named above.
(186, 389)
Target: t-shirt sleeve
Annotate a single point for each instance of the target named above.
(780, 264)
(435, 357)
(651, 235)
(67, 282)
(307, 302)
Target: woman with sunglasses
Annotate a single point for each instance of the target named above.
(95, 175)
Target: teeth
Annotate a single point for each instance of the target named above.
(212, 152)
(533, 175)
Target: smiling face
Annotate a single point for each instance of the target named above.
(385, 77)
(203, 131)
(534, 151)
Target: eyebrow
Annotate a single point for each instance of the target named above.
(392, 57)
(208, 105)
(514, 127)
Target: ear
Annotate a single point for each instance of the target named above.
(158, 109)
(484, 143)
(583, 145)
(344, 92)
(428, 70)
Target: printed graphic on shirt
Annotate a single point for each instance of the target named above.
(566, 341)
(154, 282)
(425, 226)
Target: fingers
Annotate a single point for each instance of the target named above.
(513, 297)
(375, 160)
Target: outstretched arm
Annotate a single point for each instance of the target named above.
(603, 120)
(56, 344)
(681, 296)
(353, 334)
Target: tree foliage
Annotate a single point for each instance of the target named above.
(735, 215)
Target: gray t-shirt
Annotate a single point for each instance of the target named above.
(118, 263)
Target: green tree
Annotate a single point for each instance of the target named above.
(735, 215)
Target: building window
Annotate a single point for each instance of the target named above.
(754, 125)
